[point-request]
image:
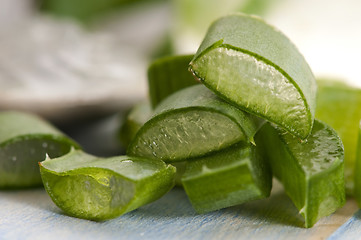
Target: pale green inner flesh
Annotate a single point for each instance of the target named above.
(255, 86)
(187, 134)
(91, 193)
(318, 152)
(19, 160)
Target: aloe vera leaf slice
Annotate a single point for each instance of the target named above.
(229, 177)
(94, 188)
(167, 75)
(310, 171)
(357, 170)
(25, 139)
(339, 105)
(254, 66)
(133, 121)
(191, 123)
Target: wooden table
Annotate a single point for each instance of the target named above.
(30, 214)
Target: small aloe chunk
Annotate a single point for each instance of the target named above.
(233, 176)
(191, 123)
(339, 105)
(254, 66)
(25, 139)
(311, 171)
(167, 75)
(94, 188)
(133, 121)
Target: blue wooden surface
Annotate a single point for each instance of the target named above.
(30, 214)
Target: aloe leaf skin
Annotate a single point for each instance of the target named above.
(98, 189)
(25, 139)
(311, 171)
(167, 75)
(357, 169)
(229, 177)
(339, 105)
(255, 67)
(190, 123)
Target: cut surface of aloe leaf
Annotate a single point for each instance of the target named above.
(339, 105)
(233, 176)
(133, 121)
(167, 75)
(94, 188)
(190, 123)
(254, 66)
(311, 171)
(25, 139)
(357, 170)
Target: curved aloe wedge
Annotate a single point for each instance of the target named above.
(310, 171)
(339, 105)
(94, 188)
(25, 139)
(254, 66)
(191, 123)
(168, 75)
(233, 176)
(358, 169)
(133, 121)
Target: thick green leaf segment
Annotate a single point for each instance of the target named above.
(339, 105)
(358, 169)
(311, 171)
(191, 123)
(133, 121)
(94, 188)
(25, 139)
(233, 176)
(167, 75)
(254, 66)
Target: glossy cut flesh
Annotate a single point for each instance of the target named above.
(241, 55)
(230, 177)
(94, 188)
(191, 123)
(310, 171)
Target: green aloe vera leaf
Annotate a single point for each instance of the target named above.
(95, 188)
(339, 105)
(25, 139)
(133, 121)
(229, 177)
(191, 123)
(181, 168)
(254, 66)
(167, 75)
(311, 171)
(358, 169)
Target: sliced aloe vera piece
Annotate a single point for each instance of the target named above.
(233, 176)
(133, 121)
(94, 188)
(25, 139)
(339, 105)
(254, 66)
(167, 75)
(357, 169)
(191, 123)
(310, 171)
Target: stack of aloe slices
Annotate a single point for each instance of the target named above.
(218, 131)
(251, 73)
